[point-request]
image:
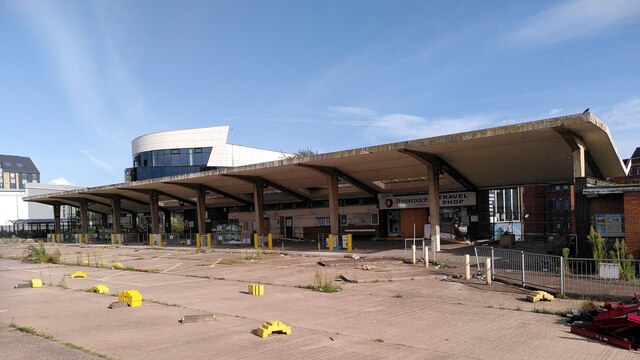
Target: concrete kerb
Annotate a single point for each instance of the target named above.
(189, 319)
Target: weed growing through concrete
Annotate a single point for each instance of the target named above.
(97, 259)
(398, 296)
(322, 284)
(257, 256)
(63, 283)
(380, 340)
(518, 308)
(37, 254)
(231, 261)
(24, 329)
(201, 250)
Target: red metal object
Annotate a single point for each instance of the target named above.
(600, 337)
(615, 323)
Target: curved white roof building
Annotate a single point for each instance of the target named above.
(185, 151)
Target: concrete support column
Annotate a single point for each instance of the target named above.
(115, 215)
(258, 205)
(433, 174)
(153, 200)
(578, 158)
(105, 219)
(166, 221)
(334, 210)
(84, 218)
(56, 220)
(201, 211)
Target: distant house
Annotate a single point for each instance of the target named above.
(16, 171)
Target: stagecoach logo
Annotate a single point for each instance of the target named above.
(421, 201)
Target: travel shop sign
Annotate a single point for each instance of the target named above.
(421, 201)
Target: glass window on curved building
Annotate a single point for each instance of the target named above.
(173, 157)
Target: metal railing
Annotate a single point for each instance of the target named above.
(571, 276)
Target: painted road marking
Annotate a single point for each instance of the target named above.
(160, 257)
(110, 276)
(214, 264)
(173, 267)
(151, 285)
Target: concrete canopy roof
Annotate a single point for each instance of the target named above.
(537, 152)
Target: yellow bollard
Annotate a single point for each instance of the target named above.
(330, 242)
(270, 241)
(86, 238)
(209, 240)
(349, 242)
(119, 239)
(255, 241)
(113, 242)
(150, 239)
(197, 240)
(160, 240)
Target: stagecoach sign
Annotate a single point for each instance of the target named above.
(388, 201)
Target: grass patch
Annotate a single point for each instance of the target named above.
(164, 303)
(24, 329)
(34, 332)
(543, 310)
(255, 256)
(322, 284)
(201, 250)
(37, 254)
(231, 261)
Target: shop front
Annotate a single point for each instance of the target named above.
(407, 216)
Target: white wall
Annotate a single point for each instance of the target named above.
(238, 155)
(13, 208)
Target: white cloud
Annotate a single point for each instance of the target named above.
(100, 163)
(351, 111)
(623, 121)
(61, 181)
(554, 112)
(405, 126)
(89, 84)
(575, 19)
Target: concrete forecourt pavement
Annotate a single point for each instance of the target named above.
(394, 311)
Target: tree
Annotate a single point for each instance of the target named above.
(303, 152)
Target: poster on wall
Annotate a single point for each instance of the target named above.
(388, 201)
(610, 225)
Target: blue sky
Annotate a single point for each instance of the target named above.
(80, 79)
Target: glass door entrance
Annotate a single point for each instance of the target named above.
(393, 223)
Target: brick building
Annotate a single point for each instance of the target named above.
(612, 207)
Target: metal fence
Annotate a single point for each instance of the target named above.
(572, 276)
